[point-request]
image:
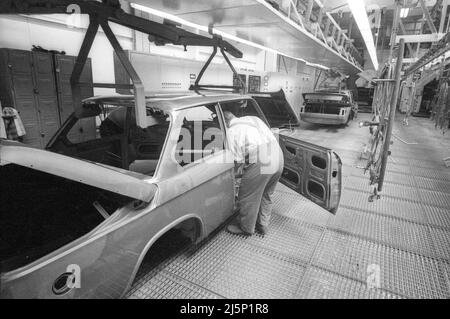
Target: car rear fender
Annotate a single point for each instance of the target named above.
(158, 235)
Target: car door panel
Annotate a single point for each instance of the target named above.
(312, 171)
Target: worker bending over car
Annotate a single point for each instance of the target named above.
(255, 147)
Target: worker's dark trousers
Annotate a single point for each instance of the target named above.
(255, 191)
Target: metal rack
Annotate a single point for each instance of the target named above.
(196, 86)
(384, 107)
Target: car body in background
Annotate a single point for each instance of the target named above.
(329, 107)
(82, 215)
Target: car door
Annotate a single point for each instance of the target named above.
(195, 170)
(311, 170)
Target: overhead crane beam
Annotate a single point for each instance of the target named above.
(100, 14)
(427, 16)
(439, 49)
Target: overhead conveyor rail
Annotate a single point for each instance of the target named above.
(100, 14)
(439, 49)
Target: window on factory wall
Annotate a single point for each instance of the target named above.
(201, 134)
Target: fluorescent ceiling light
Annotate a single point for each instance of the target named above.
(359, 13)
(224, 35)
(404, 12)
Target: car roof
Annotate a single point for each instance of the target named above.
(168, 101)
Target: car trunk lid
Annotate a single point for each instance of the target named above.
(276, 108)
(321, 97)
(325, 102)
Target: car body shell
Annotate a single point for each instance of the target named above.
(342, 117)
(110, 255)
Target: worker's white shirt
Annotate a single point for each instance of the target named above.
(250, 136)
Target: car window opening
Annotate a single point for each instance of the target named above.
(201, 134)
(241, 108)
(109, 135)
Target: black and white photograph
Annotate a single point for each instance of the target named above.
(223, 156)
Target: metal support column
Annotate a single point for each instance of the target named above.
(392, 110)
(445, 4)
(398, 7)
(81, 59)
(138, 87)
(428, 16)
(309, 11)
(84, 50)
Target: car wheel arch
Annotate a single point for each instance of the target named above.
(200, 227)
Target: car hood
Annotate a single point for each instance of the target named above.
(105, 177)
(276, 108)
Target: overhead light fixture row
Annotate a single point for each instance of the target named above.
(360, 15)
(224, 35)
(404, 12)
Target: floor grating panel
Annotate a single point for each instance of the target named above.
(395, 247)
(433, 198)
(163, 284)
(400, 179)
(439, 174)
(432, 184)
(438, 217)
(276, 274)
(441, 240)
(391, 232)
(389, 189)
(322, 284)
(296, 207)
(403, 273)
(388, 206)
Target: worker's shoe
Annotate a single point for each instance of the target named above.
(262, 230)
(236, 230)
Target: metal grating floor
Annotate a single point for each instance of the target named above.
(310, 253)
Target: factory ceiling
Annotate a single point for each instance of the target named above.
(259, 22)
